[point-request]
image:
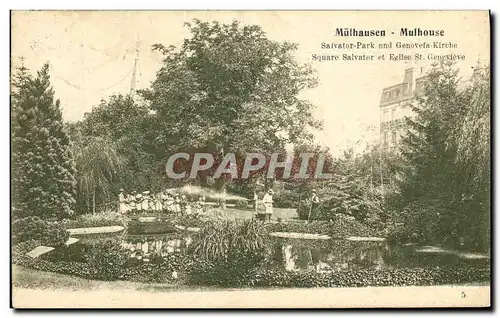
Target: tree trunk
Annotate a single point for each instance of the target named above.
(371, 179)
(222, 184)
(93, 202)
(88, 203)
(381, 177)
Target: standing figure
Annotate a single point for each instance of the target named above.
(177, 204)
(203, 204)
(200, 205)
(184, 205)
(314, 205)
(255, 202)
(159, 202)
(164, 200)
(152, 202)
(145, 201)
(122, 205)
(138, 202)
(268, 204)
(131, 202)
(170, 204)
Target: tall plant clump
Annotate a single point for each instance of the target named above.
(228, 250)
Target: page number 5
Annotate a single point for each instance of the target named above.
(463, 295)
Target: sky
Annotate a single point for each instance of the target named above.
(91, 55)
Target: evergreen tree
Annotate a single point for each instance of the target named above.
(441, 200)
(43, 182)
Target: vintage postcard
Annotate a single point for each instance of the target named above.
(250, 159)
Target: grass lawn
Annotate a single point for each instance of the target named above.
(33, 279)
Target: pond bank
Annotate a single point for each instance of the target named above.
(32, 288)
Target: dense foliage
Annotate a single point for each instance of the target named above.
(43, 170)
(445, 190)
(34, 228)
(228, 88)
(339, 226)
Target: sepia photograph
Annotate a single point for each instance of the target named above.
(250, 159)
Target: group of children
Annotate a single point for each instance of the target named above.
(267, 201)
(162, 202)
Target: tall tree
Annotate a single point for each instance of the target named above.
(440, 185)
(474, 158)
(43, 169)
(129, 127)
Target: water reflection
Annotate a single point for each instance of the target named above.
(144, 247)
(339, 255)
(329, 256)
(293, 254)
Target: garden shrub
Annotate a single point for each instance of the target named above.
(228, 248)
(422, 223)
(339, 227)
(241, 204)
(49, 233)
(288, 199)
(105, 260)
(228, 272)
(108, 218)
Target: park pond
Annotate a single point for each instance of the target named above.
(325, 255)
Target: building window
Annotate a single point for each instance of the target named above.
(393, 114)
(420, 87)
(394, 138)
(385, 115)
(386, 138)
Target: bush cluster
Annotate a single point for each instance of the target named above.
(288, 199)
(49, 233)
(339, 227)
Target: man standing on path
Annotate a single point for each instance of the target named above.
(314, 205)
